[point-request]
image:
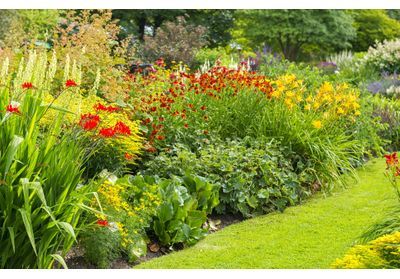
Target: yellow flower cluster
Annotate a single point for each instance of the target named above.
(123, 231)
(111, 196)
(289, 88)
(130, 216)
(334, 101)
(383, 252)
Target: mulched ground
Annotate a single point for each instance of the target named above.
(75, 258)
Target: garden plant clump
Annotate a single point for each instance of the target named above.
(124, 147)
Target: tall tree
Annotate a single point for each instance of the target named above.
(217, 22)
(292, 30)
(371, 26)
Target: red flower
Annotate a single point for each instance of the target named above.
(128, 156)
(99, 107)
(122, 128)
(203, 107)
(160, 137)
(161, 119)
(70, 83)
(205, 132)
(107, 132)
(160, 62)
(186, 125)
(12, 109)
(105, 108)
(89, 121)
(27, 85)
(153, 108)
(102, 223)
(392, 159)
(151, 149)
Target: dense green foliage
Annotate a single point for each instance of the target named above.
(254, 177)
(372, 26)
(291, 31)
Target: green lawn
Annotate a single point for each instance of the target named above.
(311, 235)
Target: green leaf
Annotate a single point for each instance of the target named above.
(12, 237)
(52, 106)
(166, 212)
(263, 194)
(252, 201)
(26, 218)
(60, 259)
(11, 151)
(68, 228)
(196, 218)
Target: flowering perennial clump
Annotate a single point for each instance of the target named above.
(383, 252)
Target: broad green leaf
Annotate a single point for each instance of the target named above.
(166, 212)
(196, 218)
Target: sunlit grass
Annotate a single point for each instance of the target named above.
(311, 235)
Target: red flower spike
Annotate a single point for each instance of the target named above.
(27, 85)
(122, 128)
(10, 108)
(107, 132)
(102, 223)
(89, 121)
(70, 83)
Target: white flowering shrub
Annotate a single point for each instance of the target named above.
(384, 56)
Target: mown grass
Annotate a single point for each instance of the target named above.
(311, 235)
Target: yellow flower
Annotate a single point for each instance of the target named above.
(307, 107)
(317, 124)
(340, 111)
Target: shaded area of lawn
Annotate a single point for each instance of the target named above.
(311, 235)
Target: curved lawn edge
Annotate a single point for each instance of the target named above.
(311, 235)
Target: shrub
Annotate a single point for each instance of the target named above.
(127, 206)
(186, 201)
(384, 56)
(254, 177)
(175, 42)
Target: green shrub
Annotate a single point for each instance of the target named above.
(186, 201)
(255, 177)
(127, 206)
(101, 245)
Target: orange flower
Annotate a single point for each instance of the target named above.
(391, 159)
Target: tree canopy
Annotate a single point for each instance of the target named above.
(291, 30)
